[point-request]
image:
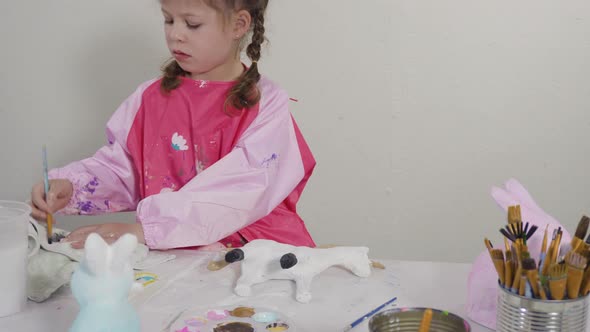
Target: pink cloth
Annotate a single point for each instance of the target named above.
(194, 174)
(482, 284)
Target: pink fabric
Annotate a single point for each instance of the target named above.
(482, 283)
(106, 182)
(196, 175)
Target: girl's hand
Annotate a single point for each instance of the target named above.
(110, 233)
(59, 195)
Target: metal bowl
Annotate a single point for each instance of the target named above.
(409, 319)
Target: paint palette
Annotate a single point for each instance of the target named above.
(232, 319)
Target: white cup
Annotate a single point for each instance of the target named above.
(14, 251)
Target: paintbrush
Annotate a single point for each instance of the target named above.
(368, 315)
(553, 250)
(581, 231)
(508, 270)
(530, 269)
(522, 286)
(575, 271)
(514, 214)
(542, 292)
(498, 259)
(507, 235)
(558, 281)
(426, 320)
(506, 244)
(543, 253)
(588, 241)
(46, 189)
(488, 244)
(549, 260)
(517, 273)
(586, 281)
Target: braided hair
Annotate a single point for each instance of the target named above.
(244, 93)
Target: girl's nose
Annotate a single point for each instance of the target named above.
(176, 34)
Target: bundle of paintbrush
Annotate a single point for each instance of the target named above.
(562, 271)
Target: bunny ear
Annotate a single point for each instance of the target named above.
(518, 190)
(121, 252)
(96, 251)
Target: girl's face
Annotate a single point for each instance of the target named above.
(203, 41)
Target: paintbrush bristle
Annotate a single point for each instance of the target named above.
(575, 260)
(582, 228)
(529, 264)
(497, 254)
(509, 256)
(508, 235)
(531, 232)
(558, 271)
(514, 214)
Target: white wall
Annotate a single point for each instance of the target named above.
(412, 108)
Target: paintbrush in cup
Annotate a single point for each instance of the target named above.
(488, 244)
(543, 253)
(548, 261)
(542, 292)
(557, 281)
(426, 321)
(581, 231)
(498, 259)
(522, 286)
(514, 214)
(506, 244)
(508, 270)
(530, 269)
(575, 272)
(586, 281)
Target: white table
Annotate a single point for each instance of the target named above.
(339, 297)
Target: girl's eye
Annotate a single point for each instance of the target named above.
(168, 21)
(192, 26)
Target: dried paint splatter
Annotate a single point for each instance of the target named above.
(234, 327)
(242, 312)
(217, 314)
(277, 327)
(268, 161)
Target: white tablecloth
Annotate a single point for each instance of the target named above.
(339, 297)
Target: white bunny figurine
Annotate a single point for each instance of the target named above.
(266, 259)
(101, 285)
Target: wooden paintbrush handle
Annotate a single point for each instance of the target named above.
(533, 281)
(522, 286)
(426, 320)
(499, 264)
(557, 288)
(508, 277)
(541, 290)
(574, 281)
(516, 280)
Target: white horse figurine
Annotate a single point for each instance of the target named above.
(266, 259)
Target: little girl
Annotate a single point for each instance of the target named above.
(208, 152)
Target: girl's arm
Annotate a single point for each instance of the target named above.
(242, 187)
(106, 182)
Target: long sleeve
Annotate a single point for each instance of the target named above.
(245, 185)
(106, 182)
